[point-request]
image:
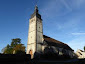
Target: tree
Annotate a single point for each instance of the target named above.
(19, 49)
(8, 46)
(8, 51)
(84, 48)
(14, 46)
(3, 49)
(15, 42)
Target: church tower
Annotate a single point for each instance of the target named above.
(35, 34)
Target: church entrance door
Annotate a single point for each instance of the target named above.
(31, 53)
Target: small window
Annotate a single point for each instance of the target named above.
(39, 27)
(31, 20)
(79, 53)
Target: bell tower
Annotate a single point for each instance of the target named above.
(35, 34)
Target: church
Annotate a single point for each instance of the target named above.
(37, 42)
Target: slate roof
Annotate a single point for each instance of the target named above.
(52, 42)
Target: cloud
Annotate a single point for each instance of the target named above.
(71, 19)
(66, 5)
(76, 4)
(55, 8)
(77, 43)
(79, 2)
(71, 23)
(78, 33)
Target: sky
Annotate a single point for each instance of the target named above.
(63, 20)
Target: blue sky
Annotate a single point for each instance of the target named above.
(63, 20)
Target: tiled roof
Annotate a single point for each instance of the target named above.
(52, 42)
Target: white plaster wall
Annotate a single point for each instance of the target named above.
(32, 37)
(81, 54)
(39, 48)
(39, 26)
(32, 31)
(31, 45)
(32, 27)
(35, 36)
(39, 37)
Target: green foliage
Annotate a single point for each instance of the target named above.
(15, 42)
(8, 46)
(84, 48)
(8, 51)
(3, 50)
(19, 48)
(14, 46)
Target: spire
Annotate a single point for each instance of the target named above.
(36, 9)
(36, 13)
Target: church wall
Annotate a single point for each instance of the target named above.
(39, 25)
(39, 31)
(43, 47)
(54, 49)
(67, 52)
(35, 35)
(80, 53)
(31, 38)
(39, 48)
(39, 37)
(32, 26)
(28, 49)
(71, 53)
(31, 47)
(39, 34)
(57, 50)
(32, 31)
(60, 51)
(39, 40)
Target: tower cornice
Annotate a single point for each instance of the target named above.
(36, 13)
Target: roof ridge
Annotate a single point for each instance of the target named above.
(55, 39)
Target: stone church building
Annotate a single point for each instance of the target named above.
(37, 42)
